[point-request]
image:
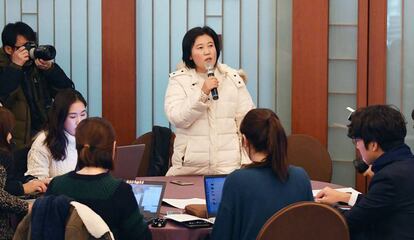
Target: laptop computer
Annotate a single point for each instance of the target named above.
(149, 195)
(127, 161)
(213, 188)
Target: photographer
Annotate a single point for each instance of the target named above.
(27, 83)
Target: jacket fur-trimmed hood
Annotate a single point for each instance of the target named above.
(223, 68)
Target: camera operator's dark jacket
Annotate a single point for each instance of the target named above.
(386, 211)
(28, 93)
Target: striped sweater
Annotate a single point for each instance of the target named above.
(9, 205)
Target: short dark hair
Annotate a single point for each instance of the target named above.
(11, 30)
(383, 124)
(94, 142)
(189, 39)
(264, 131)
(7, 122)
(56, 139)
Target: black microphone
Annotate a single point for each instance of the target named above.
(210, 73)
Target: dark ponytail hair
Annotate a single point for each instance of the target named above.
(7, 123)
(265, 133)
(94, 142)
(56, 139)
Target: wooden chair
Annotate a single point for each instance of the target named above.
(305, 220)
(148, 140)
(307, 152)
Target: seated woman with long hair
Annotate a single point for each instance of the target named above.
(10, 204)
(53, 152)
(14, 184)
(93, 185)
(254, 193)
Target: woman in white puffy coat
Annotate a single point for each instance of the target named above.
(207, 131)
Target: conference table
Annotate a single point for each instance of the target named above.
(175, 231)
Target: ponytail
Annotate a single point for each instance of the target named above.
(265, 133)
(277, 147)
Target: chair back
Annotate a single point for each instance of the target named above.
(149, 153)
(307, 152)
(19, 164)
(147, 140)
(305, 220)
(74, 230)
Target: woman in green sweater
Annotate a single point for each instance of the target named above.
(94, 186)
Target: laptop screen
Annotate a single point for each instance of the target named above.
(213, 186)
(128, 160)
(149, 196)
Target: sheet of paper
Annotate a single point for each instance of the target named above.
(185, 217)
(181, 203)
(348, 190)
(182, 217)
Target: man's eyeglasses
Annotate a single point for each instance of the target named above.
(355, 140)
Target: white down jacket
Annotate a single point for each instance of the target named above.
(207, 133)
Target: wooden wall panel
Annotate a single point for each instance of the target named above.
(377, 57)
(118, 67)
(362, 72)
(372, 59)
(310, 68)
(362, 62)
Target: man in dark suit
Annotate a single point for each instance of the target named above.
(386, 211)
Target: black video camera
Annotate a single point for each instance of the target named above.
(44, 52)
(360, 165)
(412, 114)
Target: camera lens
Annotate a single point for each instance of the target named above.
(45, 52)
